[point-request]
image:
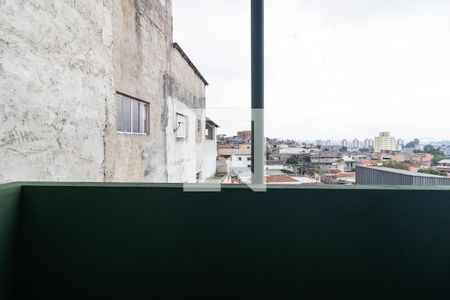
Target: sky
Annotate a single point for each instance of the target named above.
(334, 69)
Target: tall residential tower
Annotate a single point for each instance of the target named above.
(384, 142)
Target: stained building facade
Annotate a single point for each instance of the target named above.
(98, 91)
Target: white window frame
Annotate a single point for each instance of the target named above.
(143, 114)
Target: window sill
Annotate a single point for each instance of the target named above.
(132, 133)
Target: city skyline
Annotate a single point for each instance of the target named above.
(350, 140)
(333, 70)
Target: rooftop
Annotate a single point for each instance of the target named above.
(280, 179)
(403, 172)
(211, 122)
(190, 63)
(234, 151)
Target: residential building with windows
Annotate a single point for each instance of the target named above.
(352, 161)
(368, 143)
(245, 136)
(104, 94)
(238, 162)
(384, 142)
(327, 161)
(328, 143)
(444, 166)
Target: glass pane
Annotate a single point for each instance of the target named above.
(126, 107)
(119, 113)
(143, 123)
(135, 116)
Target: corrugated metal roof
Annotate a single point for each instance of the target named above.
(403, 172)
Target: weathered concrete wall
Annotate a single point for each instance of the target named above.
(62, 63)
(209, 158)
(185, 94)
(55, 81)
(142, 44)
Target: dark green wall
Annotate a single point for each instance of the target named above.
(158, 242)
(9, 202)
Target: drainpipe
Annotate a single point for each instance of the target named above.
(258, 138)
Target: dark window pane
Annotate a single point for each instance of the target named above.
(135, 116)
(143, 120)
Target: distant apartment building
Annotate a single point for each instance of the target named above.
(98, 91)
(245, 136)
(352, 161)
(426, 160)
(400, 144)
(368, 143)
(355, 144)
(327, 161)
(344, 143)
(383, 157)
(384, 142)
(286, 152)
(444, 166)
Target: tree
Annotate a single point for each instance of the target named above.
(413, 144)
(305, 160)
(396, 165)
(301, 162)
(312, 172)
(292, 160)
(438, 155)
(343, 149)
(431, 149)
(433, 172)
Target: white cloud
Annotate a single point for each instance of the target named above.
(334, 69)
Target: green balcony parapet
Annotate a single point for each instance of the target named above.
(128, 241)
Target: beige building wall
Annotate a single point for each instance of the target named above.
(142, 33)
(384, 142)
